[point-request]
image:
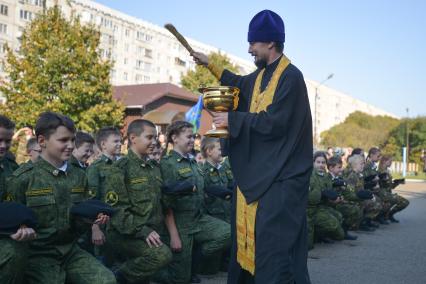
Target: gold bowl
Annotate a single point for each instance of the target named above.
(220, 99)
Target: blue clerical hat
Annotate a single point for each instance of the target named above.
(266, 26)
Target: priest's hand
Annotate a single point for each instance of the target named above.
(220, 119)
(200, 58)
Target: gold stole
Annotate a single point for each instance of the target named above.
(246, 213)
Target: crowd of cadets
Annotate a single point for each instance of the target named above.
(155, 214)
(358, 197)
(71, 215)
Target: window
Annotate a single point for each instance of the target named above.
(2, 47)
(146, 79)
(140, 35)
(125, 61)
(3, 28)
(125, 76)
(26, 15)
(127, 32)
(3, 10)
(138, 78)
(139, 64)
(140, 50)
(126, 47)
(180, 62)
(148, 53)
(147, 67)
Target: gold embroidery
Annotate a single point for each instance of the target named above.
(77, 190)
(38, 192)
(184, 171)
(246, 213)
(139, 180)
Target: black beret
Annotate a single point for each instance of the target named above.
(218, 191)
(370, 177)
(370, 185)
(329, 194)
(364, 194)
(13, 215)
(178, 188)
(399, 181)
(91, 208)
(339, 182)
(383, 176)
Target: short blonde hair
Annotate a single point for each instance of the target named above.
(355, 159)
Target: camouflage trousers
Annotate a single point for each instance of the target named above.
(352, 214)
(372, 207)
(214, 236)
(12, 261)
(76, 267)
(398, 203)
(140, 261)
(324, 222)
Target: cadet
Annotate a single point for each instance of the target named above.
(33, 150)
(156, 152)
(323, 222)
(186, 223)
(83, 150)
(348, 207)
(371, 178)
(108, 140)
(50, 187)
(12, 251)
(217, 194)
(355, 183)
(397, 202)
(133, 188)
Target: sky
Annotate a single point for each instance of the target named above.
(375, 48)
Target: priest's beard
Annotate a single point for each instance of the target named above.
(261, 63)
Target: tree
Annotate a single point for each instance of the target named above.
(398, 139)
(58, 68)
(360, 130)
(202, 76)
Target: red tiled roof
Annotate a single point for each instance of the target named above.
(145, 94)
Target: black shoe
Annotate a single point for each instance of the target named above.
(393, 220)
(350, 237)
(381, 220)
(366, 228)
(195, 279)
(326, 241)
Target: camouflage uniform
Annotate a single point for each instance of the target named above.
(194, 227)
(54, 256)
(323, 221)
(12, 253)
(96, 173)
(76, 163)
(370, 169)
(216, 207)
(350, 210)
(397, 202)
(133, 188)
(355, 182)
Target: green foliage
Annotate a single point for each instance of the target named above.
(360, 130)
(416, 136)
(58, 68)
(202, 76)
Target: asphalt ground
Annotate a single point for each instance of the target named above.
(393, 254)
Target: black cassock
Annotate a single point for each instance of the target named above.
(271, 159)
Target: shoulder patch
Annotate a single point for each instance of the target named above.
(23, 169)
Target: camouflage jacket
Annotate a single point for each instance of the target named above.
(7, 167)
(133, 188)
(96, 174)
(217, 207)
(50, 193)
(318, 183)
(187, 209)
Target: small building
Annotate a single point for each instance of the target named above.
(160, 103)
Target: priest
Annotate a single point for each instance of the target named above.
(270, 151)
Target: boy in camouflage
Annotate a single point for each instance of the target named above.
(83, 150)
(347, 206)
(12, 248)
(133, 188)
(186, 223)
(355, 183)
(50, 187)
(324, 222)
(396, 201)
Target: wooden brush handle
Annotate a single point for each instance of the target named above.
(179, 37)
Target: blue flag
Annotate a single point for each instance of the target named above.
(193, 115)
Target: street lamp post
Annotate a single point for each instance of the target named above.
(316, 106)
(407, 139)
